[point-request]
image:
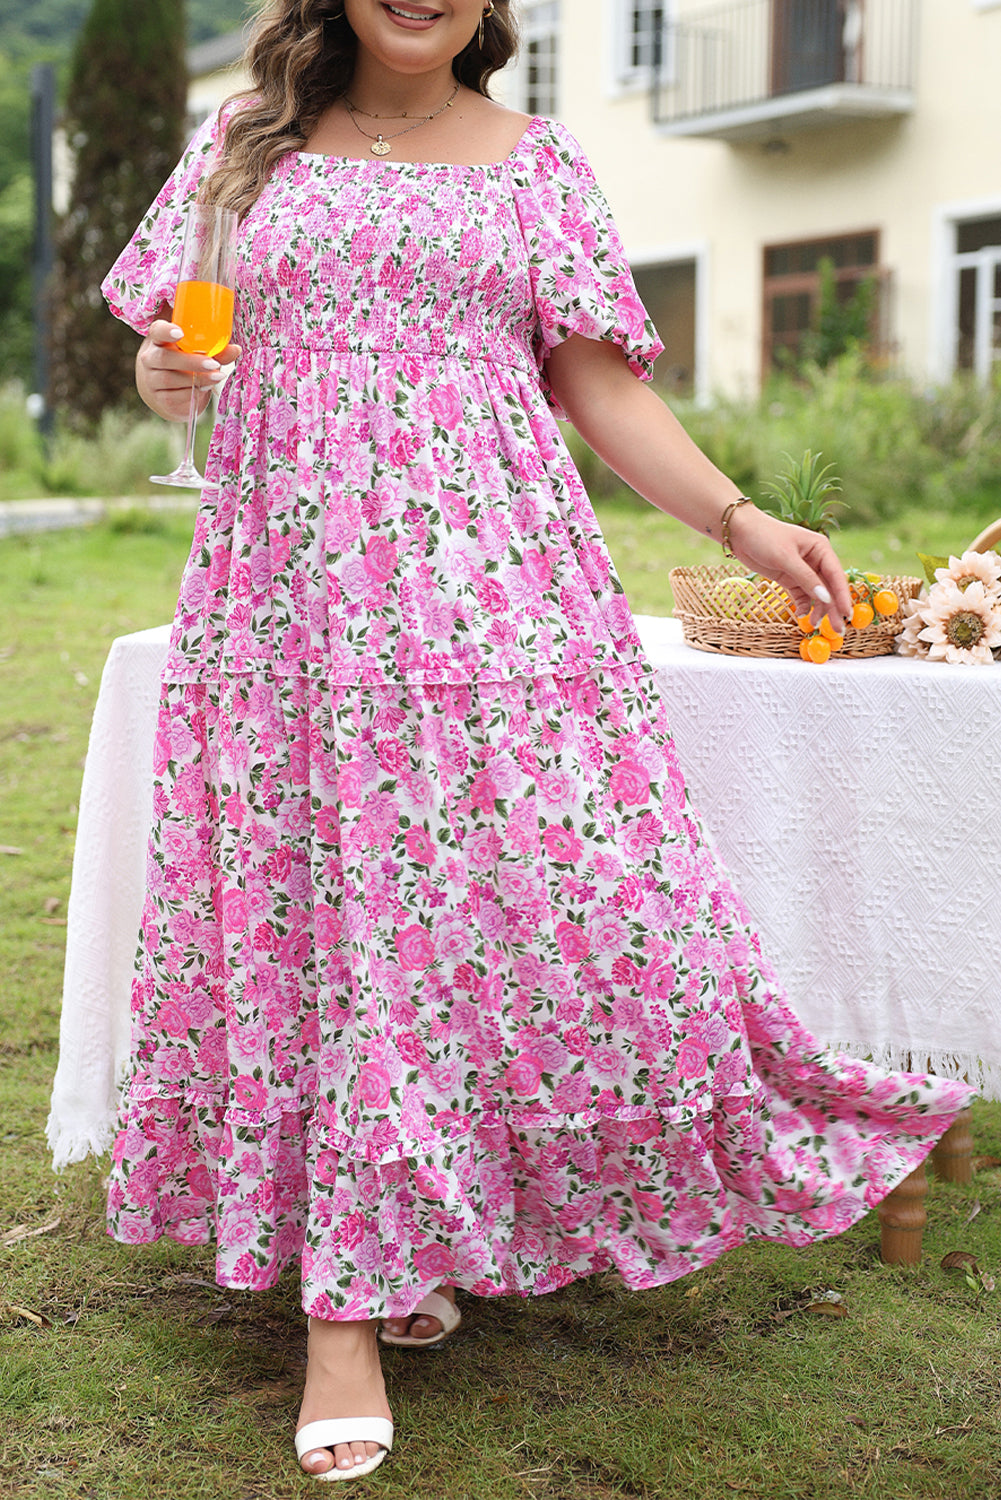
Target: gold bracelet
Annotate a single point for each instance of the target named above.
(724, 528)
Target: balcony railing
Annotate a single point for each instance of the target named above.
(755, 68)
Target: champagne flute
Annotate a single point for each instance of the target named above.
(203, 309)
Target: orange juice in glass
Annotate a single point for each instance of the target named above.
(203, 309)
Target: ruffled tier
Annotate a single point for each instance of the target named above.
(521, 1205)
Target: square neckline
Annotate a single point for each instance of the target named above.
(459, 166)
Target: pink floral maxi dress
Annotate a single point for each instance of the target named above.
(438, 979)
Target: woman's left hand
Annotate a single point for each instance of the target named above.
(800, 561)
(640, 438)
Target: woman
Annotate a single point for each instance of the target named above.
(439, 985)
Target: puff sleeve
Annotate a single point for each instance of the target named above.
(145, 274)
(581, 281)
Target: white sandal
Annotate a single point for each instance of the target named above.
(434, 1305)
(345, 1430)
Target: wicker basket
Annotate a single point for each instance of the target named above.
(758, 618)
(989, 538)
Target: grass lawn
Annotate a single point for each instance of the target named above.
(145, 1380)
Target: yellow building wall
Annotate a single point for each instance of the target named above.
(206, 94)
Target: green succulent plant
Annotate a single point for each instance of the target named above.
(803, 493)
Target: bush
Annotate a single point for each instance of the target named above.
(16, 230)
(868, 428)
(117, 460)
(962, 423)
(20, 447)
(841, 324)
(135, 520)
(892, 445)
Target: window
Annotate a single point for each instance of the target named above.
(807, 44)
(539, 61)
(667, 290)
(640, 31)
(792, 287)
(644, 24)
(978, 267)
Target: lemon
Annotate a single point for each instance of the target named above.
(734, 598)
(750, 599)
(776, 599)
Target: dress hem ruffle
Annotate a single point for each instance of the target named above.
(503, 1211)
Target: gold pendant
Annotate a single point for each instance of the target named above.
(381, 147)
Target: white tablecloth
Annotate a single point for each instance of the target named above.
(857, 806)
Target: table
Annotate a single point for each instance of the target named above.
(857, 806)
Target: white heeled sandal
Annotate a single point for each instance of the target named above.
(332, 1430)
(345, 1430)
(434, 1305)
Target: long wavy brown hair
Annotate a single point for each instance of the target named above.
(301, 57)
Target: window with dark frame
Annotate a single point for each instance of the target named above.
(792, 288)
(807, 44)
(668, 291)
(540, 57)
(644, 34)
(978, 266)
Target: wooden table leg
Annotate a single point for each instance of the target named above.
(952, 1158)
(902, 1219)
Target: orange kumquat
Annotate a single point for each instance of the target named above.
(815, 649)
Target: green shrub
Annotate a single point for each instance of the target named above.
(867, 427)
(893, 446)
(117, 460)
(962, 423)
(840, 325)
(20, 448)
(136, 520)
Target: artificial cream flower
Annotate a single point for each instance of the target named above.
(962, 624)
(909, 642)
(984, 567)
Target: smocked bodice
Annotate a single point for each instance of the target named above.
(436, 275)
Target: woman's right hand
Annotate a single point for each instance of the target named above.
(164, 374)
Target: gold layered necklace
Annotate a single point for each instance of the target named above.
(381, 143)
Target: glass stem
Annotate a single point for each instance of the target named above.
(189, 449)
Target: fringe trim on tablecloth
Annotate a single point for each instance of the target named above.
(74, 1133)
(70, 1144)
(983, 1075)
